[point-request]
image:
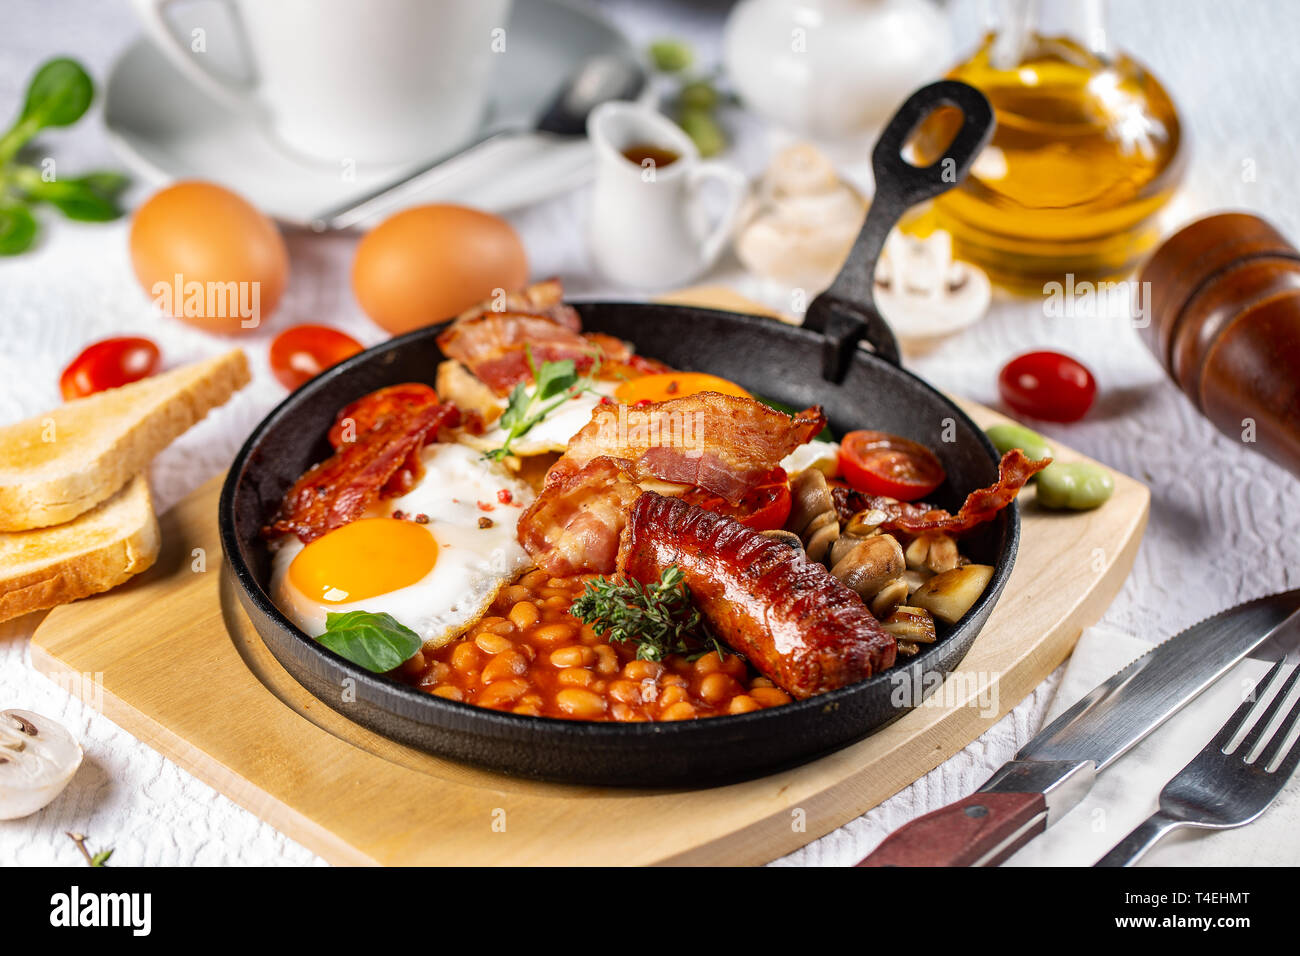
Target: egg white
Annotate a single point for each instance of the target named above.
(473, 563)
(553, 432)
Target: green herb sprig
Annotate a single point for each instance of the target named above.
(378, 642)
(660, 618)
(59, 94)
(555, 383)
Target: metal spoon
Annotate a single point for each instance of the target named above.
(598, 80)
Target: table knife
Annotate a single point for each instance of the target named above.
(1055, 770)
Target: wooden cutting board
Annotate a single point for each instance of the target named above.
(181, 668)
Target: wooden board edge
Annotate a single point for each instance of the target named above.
(201, 765)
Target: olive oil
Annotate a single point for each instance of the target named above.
(1088, 148)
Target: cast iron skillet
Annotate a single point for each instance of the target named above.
(817, 363)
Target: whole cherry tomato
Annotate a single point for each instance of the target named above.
(302, 352)
(1048, 386)
(882, 464)
(108, 364)
(764, 507)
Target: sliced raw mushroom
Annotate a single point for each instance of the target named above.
(948, 596)
(37, 759)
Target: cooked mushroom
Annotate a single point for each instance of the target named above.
(948, 596)
(871, 565)
(943, 554)
(865, 523)
(37, 759)
(912, 624)
(785, 537)
(914, 579)
(917, 551)
(889, 597)
(810, 497)
(842, 546)
(821, 534)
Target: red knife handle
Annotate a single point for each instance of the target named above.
(984, 828)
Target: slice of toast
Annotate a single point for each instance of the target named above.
(56, 466)
(92, 553)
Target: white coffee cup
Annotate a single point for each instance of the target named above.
(373, 81)
(648, 226)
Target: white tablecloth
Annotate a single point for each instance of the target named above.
(1220, 516)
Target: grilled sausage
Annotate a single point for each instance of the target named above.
(798, 625)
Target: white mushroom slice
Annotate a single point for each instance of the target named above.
(37, 759)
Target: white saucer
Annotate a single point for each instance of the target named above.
(165, 128)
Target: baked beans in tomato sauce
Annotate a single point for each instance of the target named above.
(528, 655)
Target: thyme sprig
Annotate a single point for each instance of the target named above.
(659, 618)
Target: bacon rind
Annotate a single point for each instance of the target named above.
(340, 489)
(980, 506)
(796, 622)
(575, 524)
(721, 443)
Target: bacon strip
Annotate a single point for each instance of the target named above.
(917, 518)
(796, 622)
(382, 462)
(575, 524)
(545, 298)
(721, 443)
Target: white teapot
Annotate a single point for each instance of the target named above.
(833, 69)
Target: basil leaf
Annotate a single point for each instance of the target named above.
(377, 642)
(17, 230)
(59, 95)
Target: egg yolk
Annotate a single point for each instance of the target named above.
(359, 560)
(666, 385)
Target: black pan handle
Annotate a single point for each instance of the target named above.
(846, 313)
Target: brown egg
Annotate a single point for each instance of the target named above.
(208, 257)
(427, 264)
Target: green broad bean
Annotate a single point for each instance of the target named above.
(1007, 437)
(1074, 485)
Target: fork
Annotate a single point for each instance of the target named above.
(1222, 788)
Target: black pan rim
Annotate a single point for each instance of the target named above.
(515, 725)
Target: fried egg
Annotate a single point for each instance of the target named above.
(553, 432)
(433, 558)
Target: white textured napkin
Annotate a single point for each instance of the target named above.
(1128, 792)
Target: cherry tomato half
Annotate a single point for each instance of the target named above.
(108, 364)
(302, 352)
(879, 463)
(764, 507)
(1048, 386)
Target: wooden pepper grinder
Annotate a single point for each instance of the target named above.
(1225, 323)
